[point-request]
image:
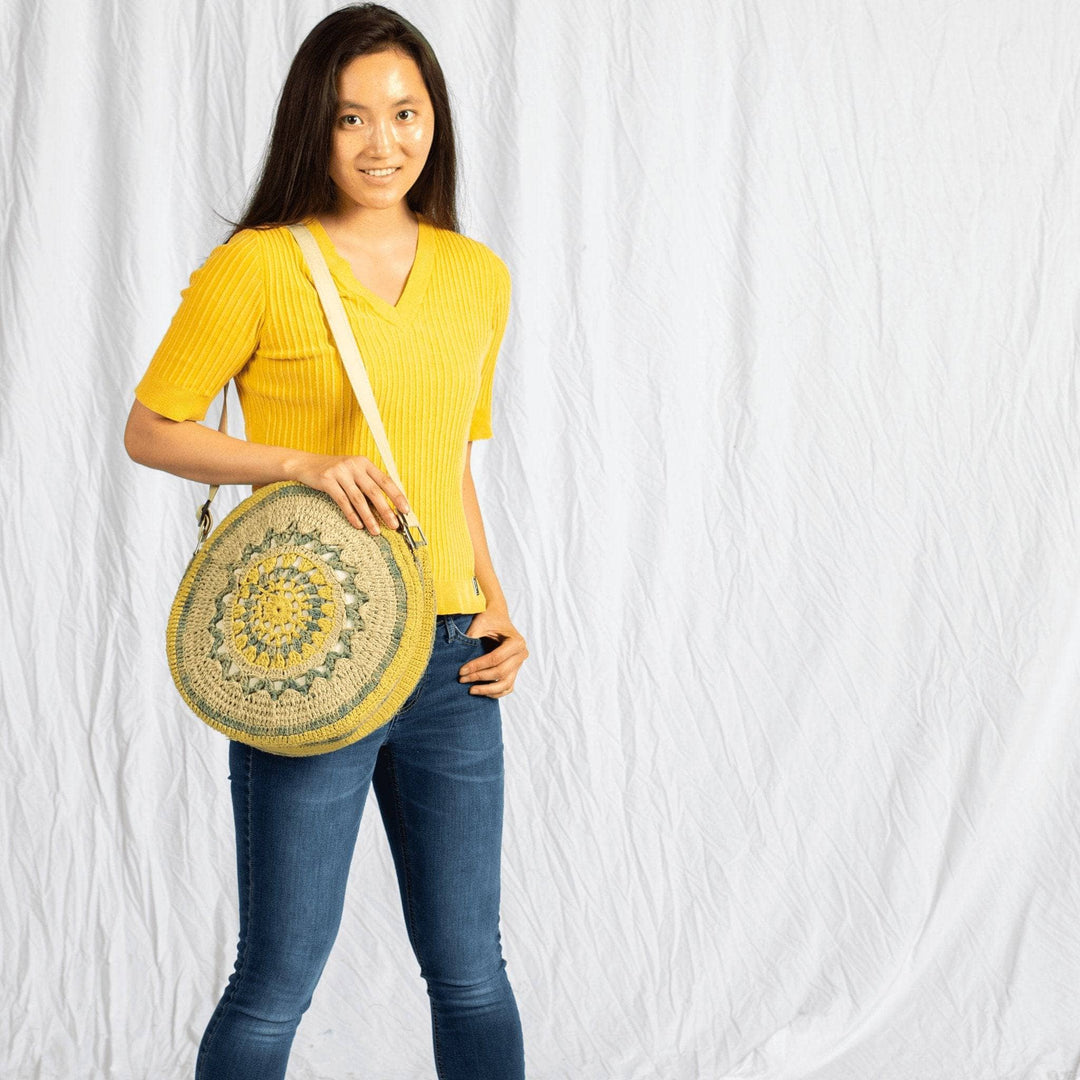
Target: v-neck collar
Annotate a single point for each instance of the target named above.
(415, 285)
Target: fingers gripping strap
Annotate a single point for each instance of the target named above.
(350, 353)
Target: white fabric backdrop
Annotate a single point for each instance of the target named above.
(784, 490)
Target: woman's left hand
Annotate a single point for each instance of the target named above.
(495, 671)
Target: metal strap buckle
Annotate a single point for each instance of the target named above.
(205, 522)
(413, 543)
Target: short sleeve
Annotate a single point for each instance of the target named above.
(213, 334)
(480, 428)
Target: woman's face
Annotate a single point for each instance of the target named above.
(384, 120)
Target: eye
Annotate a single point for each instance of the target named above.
(403, 111)
(344, 120)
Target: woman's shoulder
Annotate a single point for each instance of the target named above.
(471, 254)
(258, 240)
(243, 250)
(262, 252)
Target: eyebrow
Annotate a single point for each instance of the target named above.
(356, 105)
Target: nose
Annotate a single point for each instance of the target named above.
(382, 137)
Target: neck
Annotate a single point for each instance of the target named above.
(374, 225)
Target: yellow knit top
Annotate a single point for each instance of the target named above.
(251, 312)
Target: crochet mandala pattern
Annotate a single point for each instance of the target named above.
(289, 611)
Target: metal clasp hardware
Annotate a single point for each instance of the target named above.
(406, 529)
(205, 521)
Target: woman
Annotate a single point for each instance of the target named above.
(362, 150)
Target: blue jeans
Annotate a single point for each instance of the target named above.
(437, 769)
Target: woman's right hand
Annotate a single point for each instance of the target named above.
(356, 484)
(198, 452)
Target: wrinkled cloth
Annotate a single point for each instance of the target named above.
(786, 505)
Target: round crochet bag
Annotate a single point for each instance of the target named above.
(296, 632)
(293, 630)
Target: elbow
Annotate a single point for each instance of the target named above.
(134, 443)
(142, 435)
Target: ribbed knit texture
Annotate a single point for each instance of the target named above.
(250, 312)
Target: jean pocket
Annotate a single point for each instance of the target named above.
(458, 625)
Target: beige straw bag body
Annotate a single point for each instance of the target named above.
(292, 630)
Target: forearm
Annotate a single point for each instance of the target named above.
(485, 572)
(197, 452)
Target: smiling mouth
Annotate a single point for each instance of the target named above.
(379, 172)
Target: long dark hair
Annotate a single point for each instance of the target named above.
(295, 180)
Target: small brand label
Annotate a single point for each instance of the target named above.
(476, 586)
